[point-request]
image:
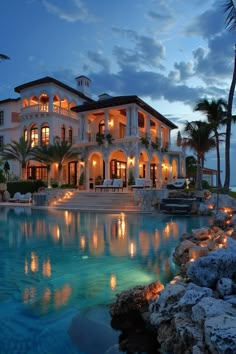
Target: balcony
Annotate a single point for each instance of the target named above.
(41, 108)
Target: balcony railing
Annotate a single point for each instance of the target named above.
(45, 108)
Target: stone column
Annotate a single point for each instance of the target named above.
(128, 118)
(134, 121)
(106, 119)
(148, 126)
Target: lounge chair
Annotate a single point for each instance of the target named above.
(141, 183)
(16, 197)
(26, 198)
(107, 183)
(117, 184)
(180, 183)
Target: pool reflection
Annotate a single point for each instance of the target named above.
(61, 258)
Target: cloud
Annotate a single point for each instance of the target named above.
(208, 24)
(146, 51)
(97, 58)
(70, 10)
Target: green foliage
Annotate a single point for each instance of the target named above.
(109, 138)
(144, 141)
(81, 179)
(25, 186)
(131, 179)
(205, 184)
(100, 138)
(2, 177)
(232, 194)
(70, 186)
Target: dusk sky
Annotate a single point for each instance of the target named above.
(170, 53)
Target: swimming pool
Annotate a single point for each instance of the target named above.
(59, 270)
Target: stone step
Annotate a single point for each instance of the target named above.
(114, 201)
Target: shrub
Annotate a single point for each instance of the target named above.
(25, 186)
(71, 186)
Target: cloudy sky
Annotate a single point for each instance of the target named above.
(168, 52)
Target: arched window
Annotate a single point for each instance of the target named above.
(25, 103)
(34, 137)
(25, 134)
(63, 133)
(45, 135)
(34, 100)
(44, 102)
(101, 127)
(70, 136)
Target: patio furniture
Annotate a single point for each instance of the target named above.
(107, 183)
(180, 183)
(26, 198)
(141, 183)
(117, 184)
(16, 197)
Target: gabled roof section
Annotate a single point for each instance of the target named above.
(48, 80)
(122, 100)
(8, 100)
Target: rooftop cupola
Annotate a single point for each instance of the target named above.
(83, 85)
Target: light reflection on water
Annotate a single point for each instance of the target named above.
(58, 261)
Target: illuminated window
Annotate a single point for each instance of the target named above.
(101, 127)
(34, 137)
(25, 134)
(45, 136)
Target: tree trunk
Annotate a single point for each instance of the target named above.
(219, 185)
(49, 176)
(228, 127)
(59, 174)
(199, 174)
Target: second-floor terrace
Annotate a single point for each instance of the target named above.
(45, 103)
(111, 120)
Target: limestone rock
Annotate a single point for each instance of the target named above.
(206, 271)
(224, 286)
(135, 299)
(194, 294)
(220, 334)
(163, 308)
(210, 307)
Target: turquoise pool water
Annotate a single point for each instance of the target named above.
(59, 270)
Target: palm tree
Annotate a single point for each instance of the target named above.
(19, 151)
(44, 154)
(61, 153)
(197, 137)
(230, 22)
(3, 57)
(216, 112)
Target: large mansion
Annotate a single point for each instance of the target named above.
(114, 136)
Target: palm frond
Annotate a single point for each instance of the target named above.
(230, 11)
(3, 57)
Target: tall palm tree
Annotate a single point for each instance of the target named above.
(230, 22)
(3, 57)
(197, 137)
(216, 112)
(19, 151)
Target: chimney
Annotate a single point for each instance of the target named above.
(83, 85)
